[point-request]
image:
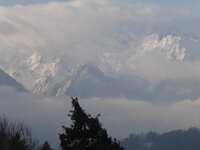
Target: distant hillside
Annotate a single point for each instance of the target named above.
(174, 140)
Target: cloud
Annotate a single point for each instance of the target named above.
(79, 31)
(119, 116)
(122, 117)
(25, 2)
(157, 68)
(44, 116)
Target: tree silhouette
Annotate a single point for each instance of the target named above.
(46, 146)
(15, 136)
(86, 132)
(173, 140)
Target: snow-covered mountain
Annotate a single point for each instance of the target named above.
(38, 74)
(169, 46)
(114, 73)
(90, 81)
(98, 49)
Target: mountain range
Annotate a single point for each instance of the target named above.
(113, 74)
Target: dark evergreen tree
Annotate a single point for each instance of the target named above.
(46, 146)
(86, 132)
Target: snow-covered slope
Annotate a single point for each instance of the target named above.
(37, 73)
(89, 81)
(114, 73)
(169, 46)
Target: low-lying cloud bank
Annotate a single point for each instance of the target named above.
(119, 116)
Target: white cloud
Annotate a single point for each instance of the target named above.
(80, 30)
(155, 68)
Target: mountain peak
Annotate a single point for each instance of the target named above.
(168, 45)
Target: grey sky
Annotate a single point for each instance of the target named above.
(25, 2)
(191, 6)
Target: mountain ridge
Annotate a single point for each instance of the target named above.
(114, 72)
(6, 80)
